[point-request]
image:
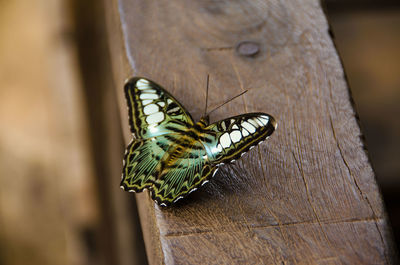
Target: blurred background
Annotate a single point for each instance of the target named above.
(60, 143)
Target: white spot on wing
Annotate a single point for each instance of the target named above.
(223, 125)
(204, 182)
(148, 96)
(259, 122)
(225, 140)
(217, 149)
(253, 122)
(142, 84)
(245, 132)
(235, 127)
(153, 129)
(264, 119)
(150, 90)
(177, 199)
(215, 172)
(141, 87)
(173, 110)
(250, 128)
(236, 136)
(150, 109)
(143, 81)
(155, 118)
(162, 104)
(147, 101)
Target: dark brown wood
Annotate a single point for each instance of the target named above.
(306, 196)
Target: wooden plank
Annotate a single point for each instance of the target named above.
(309, 194)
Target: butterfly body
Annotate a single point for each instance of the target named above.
(171, 155)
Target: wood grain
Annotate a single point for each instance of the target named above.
(308, 195)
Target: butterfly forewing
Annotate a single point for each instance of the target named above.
(230, 138)
(162, 158)
(152, 110)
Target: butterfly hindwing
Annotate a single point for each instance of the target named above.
(183, 173)
(168, 165)
(230, 138)
(141, 159)
(152, 110)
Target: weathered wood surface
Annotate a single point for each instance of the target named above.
(306, 196)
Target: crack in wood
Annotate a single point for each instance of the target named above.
(213, 49)
(245, 107)
(200, 231)
(328, 259)
(300, 167)
(363, 196)
(261, 161)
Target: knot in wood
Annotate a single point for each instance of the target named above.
(248, 48)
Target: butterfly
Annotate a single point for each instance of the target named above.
(170, 154)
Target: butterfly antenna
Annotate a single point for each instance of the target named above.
(205, 109)
(227, 102)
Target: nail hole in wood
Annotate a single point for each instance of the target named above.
(248, 48)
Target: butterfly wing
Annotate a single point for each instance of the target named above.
(141, 159)
(169, 179)
(157, 120)
(152, 110)
(229, 139)
(184, 175)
